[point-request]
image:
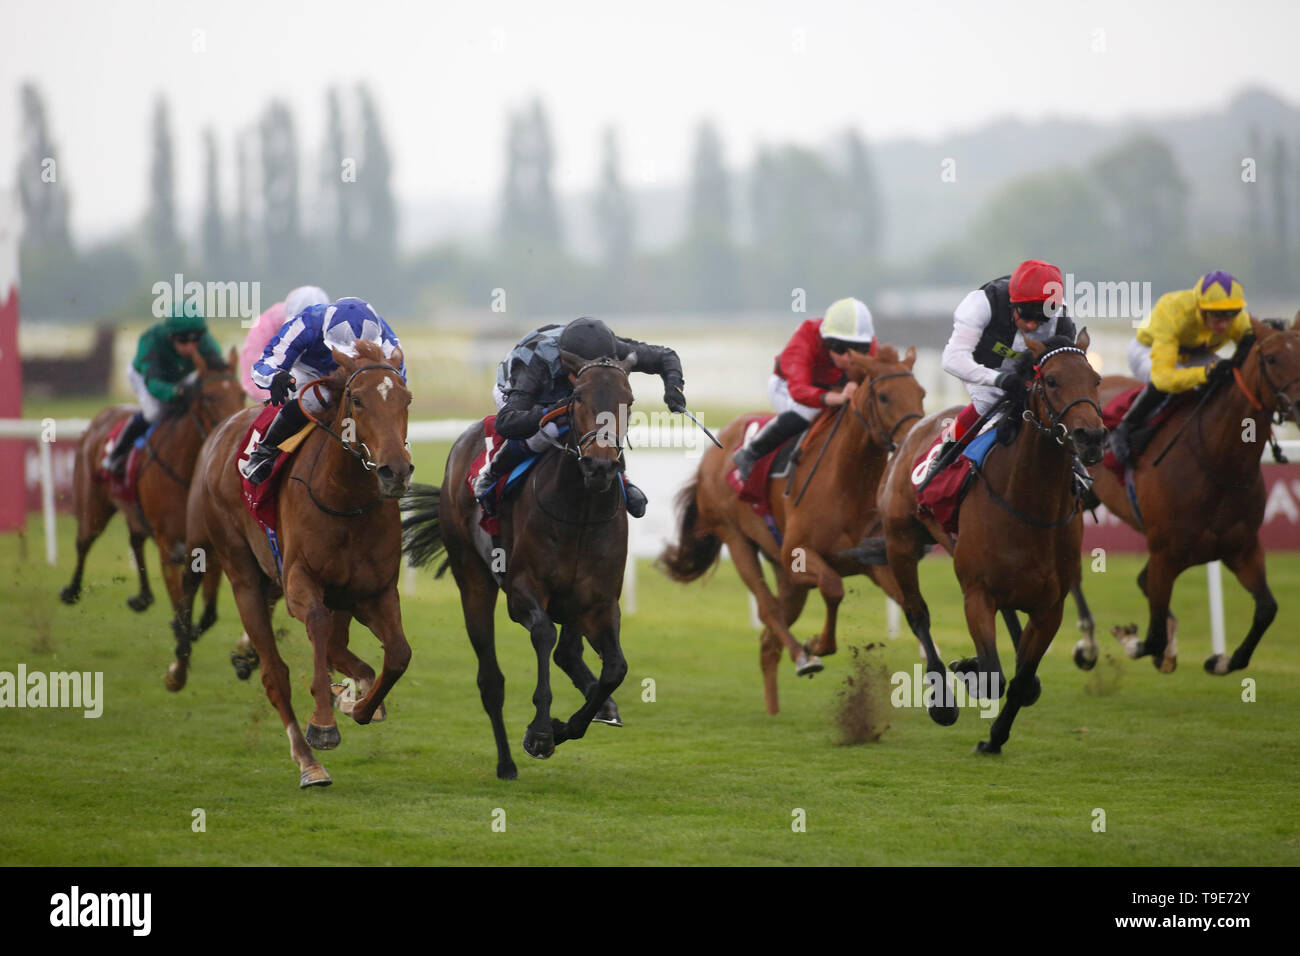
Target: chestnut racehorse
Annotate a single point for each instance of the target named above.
(162, 482)
(824, 518)
(1212, 510)
(1018, 546)
(564, 543)
(340, 536)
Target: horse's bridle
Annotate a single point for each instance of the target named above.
(886, 440)
(1283, 406)
(192, 411)
(362, 456)
(1056, 430)
(572, 444)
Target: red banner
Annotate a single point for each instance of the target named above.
(1280, 532)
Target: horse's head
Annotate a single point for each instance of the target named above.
(598, 411)
(1063, 390)
(1278, 351)
(889, 399)
(373, 406)
(216, 395)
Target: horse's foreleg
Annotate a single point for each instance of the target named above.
(142, 600)
(808, 568)
(526, 609)
(568, 654)
(744, 554)
(340, 658)
(183, 626)
(305, 600)
(903, 554)
(1250, 571)
(1085, 651)
(603, 626)
(1025, 686)
(982, 622)
(383, 615)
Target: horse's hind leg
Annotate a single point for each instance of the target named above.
(141, 601)
(568, 654)
(1158, 580)
(1251, 573)
(211, 585)
(904, 552)
(1085, 651)
(92, 515)
(1024, 688)
(478, 599)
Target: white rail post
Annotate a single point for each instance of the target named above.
(628, 604)
(47, 501)
(1214, 574)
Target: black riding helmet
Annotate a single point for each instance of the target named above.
(589, 338)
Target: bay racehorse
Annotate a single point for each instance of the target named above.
(563, 544)
(831, 508)
(339, 533)
(1020, 528)
(161, 484)
(1204, 499)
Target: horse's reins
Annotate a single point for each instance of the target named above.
(366, 462)
(1056, 431)
(192, 411)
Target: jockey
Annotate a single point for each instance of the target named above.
(264, 329)
(1174, 348)
(162, 368)
(990, 327)
(299, 354)
(808, 376)
(531, 380)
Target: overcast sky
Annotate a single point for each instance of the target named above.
(444, 75)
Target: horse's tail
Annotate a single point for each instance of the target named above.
(694, 553)
(421, 532)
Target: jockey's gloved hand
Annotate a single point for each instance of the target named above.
(674, 398)
(181, 394)
(1221, 372)
(1010, 382)
(280, 387)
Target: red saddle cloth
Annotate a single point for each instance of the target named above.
(120, 487)
(754, 489)
(1118, 407)
(491, 442)
(943, 495)
(261, 499)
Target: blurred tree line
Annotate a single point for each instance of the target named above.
(796, 219)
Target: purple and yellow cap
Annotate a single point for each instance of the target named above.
(1219, 292)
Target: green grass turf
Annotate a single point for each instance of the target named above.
(1186, 772)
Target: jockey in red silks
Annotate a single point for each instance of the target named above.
(809, 376)
(990, 327)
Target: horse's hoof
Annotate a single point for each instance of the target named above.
(314, 776)
(1082, 660)
(323, 738)
(540, 746)
(943, 716)
(608, 714)
(507, 771)
(984, 747)
(140, 602)
(175, 678)
(806, 666)
(243, 669)
(1218, 664)
(70, 595)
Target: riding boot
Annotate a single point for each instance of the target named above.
(136, 427)
(769, 439)
(286, 424)
(508, 457)
(1121, 442)
(635, 497)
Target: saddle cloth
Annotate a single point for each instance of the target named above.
(507, 485)
(943, 496)
(123, 487)
(261, 499)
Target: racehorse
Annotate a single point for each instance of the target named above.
(339, 533)
(1018, 546)
(162, 481)
(1212, 510)
(833, 510)
(564, 544)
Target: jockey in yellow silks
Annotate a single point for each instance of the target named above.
(1175, 347)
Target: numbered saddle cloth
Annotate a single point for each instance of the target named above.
(943, 496)
(261, 499)
(491, 443)
(123, 488)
